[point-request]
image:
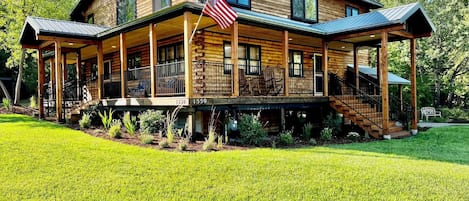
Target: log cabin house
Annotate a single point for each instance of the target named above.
(287, 58)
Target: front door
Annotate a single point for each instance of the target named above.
(318, 75)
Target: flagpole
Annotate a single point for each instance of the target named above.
(198, 21)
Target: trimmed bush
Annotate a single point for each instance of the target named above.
(286, 138)
(326, 134)
(129, 123)
(85, 121)
(151, 121)
(251, 129)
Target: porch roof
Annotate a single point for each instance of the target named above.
(392, 78)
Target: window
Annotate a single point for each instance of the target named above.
(107, 70)
(249, 58)
(305, 10)
(295, 62)
(172, 54)
(90, 19)
(351, 11)
(126, 11)
(160, 4)
(133, 61)
(94, 71)
(240, 3)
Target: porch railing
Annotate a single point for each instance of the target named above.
(303, 84)
(139, 82)
(112, 85)
(212, 78)
(170, 79)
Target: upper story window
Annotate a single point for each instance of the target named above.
(240, 3)
(295, 62)
(160, 4)
(90, 19)
(350, 11)
(305, 10)
(126, 11)
(249, 58)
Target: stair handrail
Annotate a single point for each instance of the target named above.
(360, 94)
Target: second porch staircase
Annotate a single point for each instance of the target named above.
(363, 109)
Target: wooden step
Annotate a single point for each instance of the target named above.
(395, 129)
(400, 134)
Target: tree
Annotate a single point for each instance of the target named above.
(12, 17)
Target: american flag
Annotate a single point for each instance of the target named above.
(221, 12)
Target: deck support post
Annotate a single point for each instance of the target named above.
(78, 76)
(356, 67)
(378, 70)
(40, 84)
(100, 69)
(188, 54)
(234, 58)
(58, 78)
(384, 81)
(153, 57)
(285, 48)
(413, 83)
(123, 60)
(325, 67)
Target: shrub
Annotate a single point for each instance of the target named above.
(454, 113)
(151, 121)
(312, 142)
(106, 119)
(209, 143)
(6, 103)
(163, 143)
(32, 102)
(171, 119)
(286, 138)
(129, 123)
(85, 121)
(354, 136)
(220, 142)
(115, 129)
(307, 128)
(334, 122)
(326, 134)
(251, 129)
(146, 138)
(183, 146)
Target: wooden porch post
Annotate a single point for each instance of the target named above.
(378, 70)
(285, 48)
(400, 97)
(52, 75)
(188, 54)
(100, 69)
(123, 58)
(234, 58)
(58, 78)
(40, 84)
(384, 81)
(153, 57)
(356, 67)
(413, 83)
(325, 67)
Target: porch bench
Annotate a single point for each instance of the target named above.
(429, 112)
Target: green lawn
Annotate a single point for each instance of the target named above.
(44, 161)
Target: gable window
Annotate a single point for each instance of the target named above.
(107, 70)
(126, 11)
(240, 3)
(295, 62)
(249, 58)
(90, 19)
(160, 4)
(134, 61)
(172, 54)
(305, 10)
(351, 11)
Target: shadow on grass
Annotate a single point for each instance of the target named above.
(446, 144)
(27, 121)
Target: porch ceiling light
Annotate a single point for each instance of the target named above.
(372, 36)
(290, 39)
(114, 46)
(343, 47)
(71, 44)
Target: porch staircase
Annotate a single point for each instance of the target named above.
(75, 112)
(363, 109)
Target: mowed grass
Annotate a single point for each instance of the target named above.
(44, 161)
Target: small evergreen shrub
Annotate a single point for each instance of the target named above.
(307, 128)
(115, 129)
(32, 102)
(326, 134)
(334, 122)
(85, 121)
(163, 143)
(146, 138)
(151, 121)
(183, 146)
(353, 136)
(251, 129)
(312, 142)
(129, 123)
(286, 138)
(6, 103)
(106, 119)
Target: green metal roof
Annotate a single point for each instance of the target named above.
(392, 78)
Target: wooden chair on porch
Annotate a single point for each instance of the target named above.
(272, 85)
(244, 86)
